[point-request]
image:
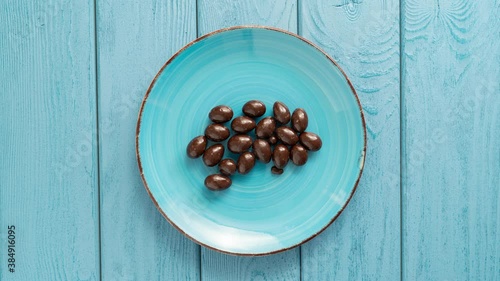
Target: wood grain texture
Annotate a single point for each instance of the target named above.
(281, 266)
(217, 14)
(451, 93)
(213, 15)
(364, 242)
(48, 168)
(451, 149)
(134, 40)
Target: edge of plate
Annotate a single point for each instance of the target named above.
(138, 128)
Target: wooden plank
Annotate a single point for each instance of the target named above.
(48, 169)
(364, 242)
(213, 15)
(134, 40)
(451, 94)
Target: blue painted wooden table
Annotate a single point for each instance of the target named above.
(73, 74)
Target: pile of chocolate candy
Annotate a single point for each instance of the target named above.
(274, 140)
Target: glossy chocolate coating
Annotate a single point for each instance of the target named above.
(213, 155)
(281, 112)
(262, 150)
(287, 135)
(239, 143)
(217, 132)
(265, 128)
(277, 171)
(242, 124)
(220, 114)
(227, 167)
(272, 140)
(311, 141)
(254, 108)
(246, 162)
(298, 154)
(196, 147)
(217, 182)
(280, 156)
(300, 120)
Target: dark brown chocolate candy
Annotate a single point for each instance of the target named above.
(298, 154)
(242, 124)
(220, 114)
(311, 141)
(213, 155)
(196, 147)
(299, 120)
(277, 171)
(246, 162)
(262, 150)
(239, 143)
(272, 139)
(265, 128)
(227, 167)
(217, 182)
(287, 135)
(254, 108)
(217, 132)
(281, 112)
(280, 156)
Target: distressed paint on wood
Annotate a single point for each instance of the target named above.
(134, 40)
(48, 168)
(217, 14)
(213, 15)
(364, 242)
(451, 90)
(451, 95)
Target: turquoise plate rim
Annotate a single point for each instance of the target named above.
(138, 128)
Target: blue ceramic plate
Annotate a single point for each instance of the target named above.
(260, 213)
